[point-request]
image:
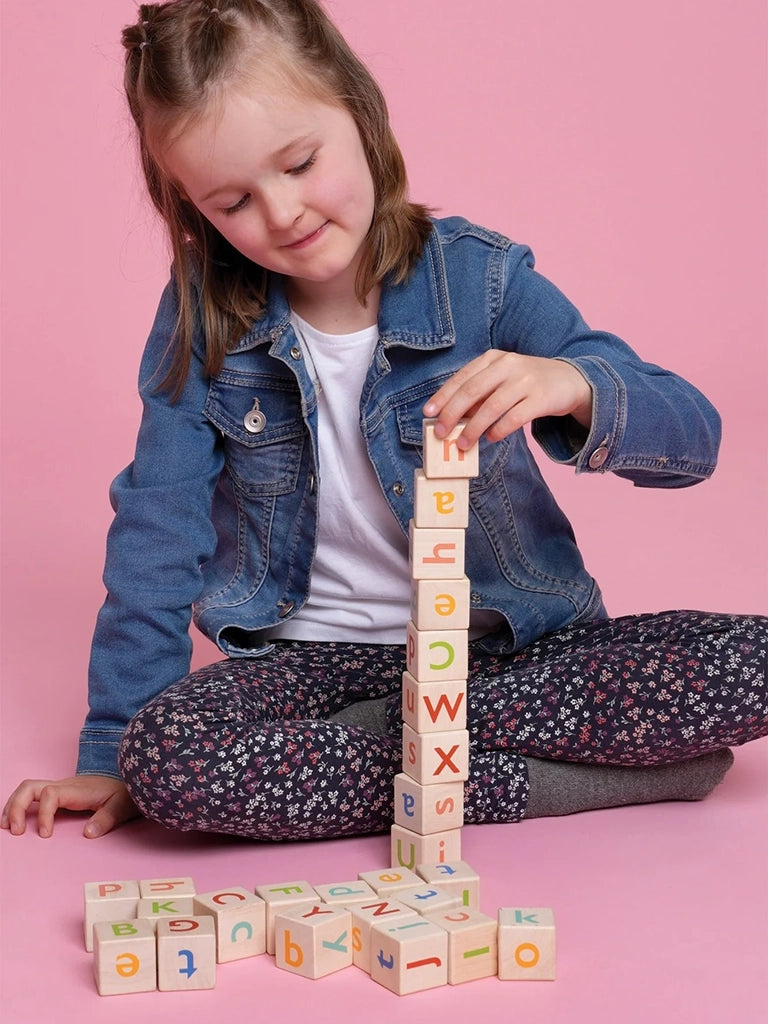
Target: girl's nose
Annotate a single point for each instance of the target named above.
(282, 208)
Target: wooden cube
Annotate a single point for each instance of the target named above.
(166, 888)
(442, 503)
(346, 894)
(186, 953)
(410, 956)
(457, 876)
(428, 809)
(313, 941)
(440, 604)
(439, 706)
(390, 881)
(280, 897)
(407, 848)
(442, 457)
(152, 910)
(526, 944)
(472, 944)
(124, 957)
(108, 901)
(433, 654)
(240, 920)
(425, 899)
(435, 554)
(436, 756)
(366, 914)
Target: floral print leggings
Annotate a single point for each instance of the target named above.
(244, 746)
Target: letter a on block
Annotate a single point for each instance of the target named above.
(442, 457)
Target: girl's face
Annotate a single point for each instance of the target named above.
(284, 178)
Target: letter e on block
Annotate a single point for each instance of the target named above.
(526, 944)
(442, 457)
(124, 957)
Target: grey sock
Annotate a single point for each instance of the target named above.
(366, 714)
(562, 787)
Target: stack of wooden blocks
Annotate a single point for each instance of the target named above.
(414, 926)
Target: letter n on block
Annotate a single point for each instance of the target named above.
(410, 956)
(378, 911)
(526, 944)
(443, 458)
(124, 957)
(407, 848)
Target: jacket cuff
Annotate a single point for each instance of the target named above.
(98, 752)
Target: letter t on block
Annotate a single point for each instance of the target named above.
(442, 458)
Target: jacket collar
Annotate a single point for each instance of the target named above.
(415, 314)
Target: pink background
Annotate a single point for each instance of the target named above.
(627, 145)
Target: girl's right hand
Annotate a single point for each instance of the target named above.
(106, 796)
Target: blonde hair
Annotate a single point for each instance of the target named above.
(178, 56)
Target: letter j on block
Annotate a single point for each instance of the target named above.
(443, 458)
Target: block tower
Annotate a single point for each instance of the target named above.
(429, 792)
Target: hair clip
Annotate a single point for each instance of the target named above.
(143, 44)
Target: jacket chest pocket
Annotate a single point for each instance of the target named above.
(260, 420)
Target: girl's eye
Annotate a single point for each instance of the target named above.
(303, 168)
(238, 205)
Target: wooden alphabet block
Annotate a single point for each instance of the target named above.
(153, 909)
(457, 876)
(433, 654)
(428, 809)
(443, 503)
(472, 944)
(346, 894)
(108, 901)
(313, 941)
(440, 604)
(426, 899)
(410, 956)
(240, 921)
(442, 457)
(407, 849)
(280, 897)
(526, 944)
(390, 881)
(436, 756)
(366, 914)
(436, 554)
(186, 953)
(166, 888)
(124, 957)
(439, 706)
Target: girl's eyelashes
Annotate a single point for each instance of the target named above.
(301, 168)
(304, 167)
(243, 201)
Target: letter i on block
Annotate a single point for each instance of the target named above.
(409, 956)
(124, 957)
(526, 944)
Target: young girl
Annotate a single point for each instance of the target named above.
(313, 318)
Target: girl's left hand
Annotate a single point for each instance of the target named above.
(499, 392)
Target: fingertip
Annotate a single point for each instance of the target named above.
(93, 830)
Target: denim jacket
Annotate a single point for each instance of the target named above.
(213, 518)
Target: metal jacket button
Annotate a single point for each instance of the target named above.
(295, 352)
(254, 421)
(598, 457)
(398, 489)
(285, 608)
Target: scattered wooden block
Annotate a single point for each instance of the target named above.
(472, 944)
(526, 944)
(240, 921)
(124, 957)
(425, 899)
(407, 848)
(440, 604)
(443, 503)
(456, 876)
(152, 910)
(439, 706)
(366, 914)
(428, 809)
(436, 554)
(186, 953)
(390, 881)
(313, 941)
(280, 897)
(442, 458)
(432, 757)
(410, 956)
(345, 894)
(108, 901)
(432, 654)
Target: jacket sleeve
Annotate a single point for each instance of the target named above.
(160, 536)
(648, 424)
